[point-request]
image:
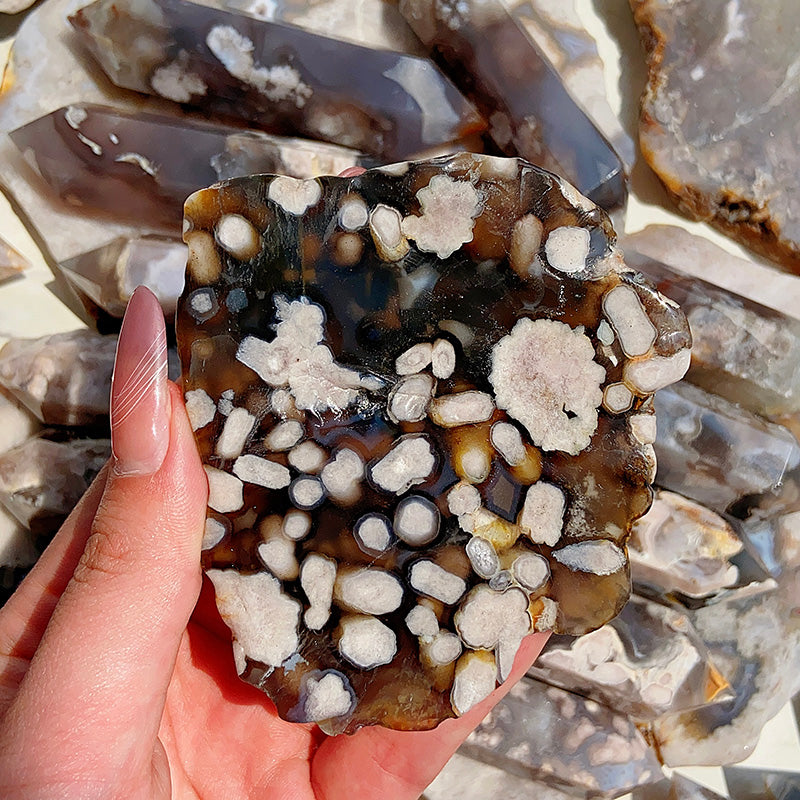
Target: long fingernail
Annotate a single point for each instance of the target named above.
(139, 395)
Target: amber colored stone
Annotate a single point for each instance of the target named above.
(423, 397)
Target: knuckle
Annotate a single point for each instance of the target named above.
(107, 553)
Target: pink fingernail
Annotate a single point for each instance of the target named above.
(139, 396)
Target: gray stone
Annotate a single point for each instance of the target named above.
(142, 166)
(42, 480)
(741, 350)
(678, 788)
(64, 379)
(646, 662)
(468, 779)
(701, 258)
(383, 102)
(371, 23)
(560, 34)
(753, 638)
(715, 452)
(108, 276)
(680, 546)
(575, 744)
(727, 156)
(16, 423)
(529, 110)
(751, 783)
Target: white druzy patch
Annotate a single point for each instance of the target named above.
(297, 358)
(449, 208)
(545, 376)
(263, 619)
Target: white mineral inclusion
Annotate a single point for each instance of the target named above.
(449, 208)
(175, 83)
(327, 696)
(545, 376)
(262, 618)
(599, 557)
(237, 236)
(566, 249)
(297, 359)
(294, 195)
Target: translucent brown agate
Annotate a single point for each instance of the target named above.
(423, 398)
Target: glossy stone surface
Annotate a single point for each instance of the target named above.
(12, 263)
(728, 157)
(559, 32)
(277, 77)
(680, 546)
(107, 277)
(64, 379)
(530, 113)
(571, 742)
(757, 784)
(769, 525)
(701, 258)
(143, 166)
(471, 779)
(42, 480)
(715, 452)
(753, 636)
(644, 663)
(679, 787)
(371, 23)
(742, 351)
(353, 351)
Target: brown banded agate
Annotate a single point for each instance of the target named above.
(423, 397)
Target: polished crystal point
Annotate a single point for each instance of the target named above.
(470, 779)
(716, 452)
(742, 351)
(530, 113)
(407, 387)
(699, 257)
(142, 166)
(64, 379)
(753, 783)
(277, 77)
(680, 546)
(645, 663)
(564, 40)
(107, 277)
(371, 23)
(565, 739)
(678, 787)
(16, 423)
(728, 157)
(42, 480)
(12, 263)
(753, 637)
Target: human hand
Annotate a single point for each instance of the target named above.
(114, 685)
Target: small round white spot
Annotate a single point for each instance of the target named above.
(566, 249)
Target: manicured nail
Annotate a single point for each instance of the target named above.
(139, 395)
(352, 172)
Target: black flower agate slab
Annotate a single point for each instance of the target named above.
(423, 397)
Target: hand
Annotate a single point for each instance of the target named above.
(114, 685)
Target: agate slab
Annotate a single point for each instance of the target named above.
(408, 388)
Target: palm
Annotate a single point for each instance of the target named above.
(223, 737)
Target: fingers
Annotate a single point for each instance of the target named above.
(104, 662)
(400, 764)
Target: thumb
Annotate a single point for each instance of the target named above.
(104, 663)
